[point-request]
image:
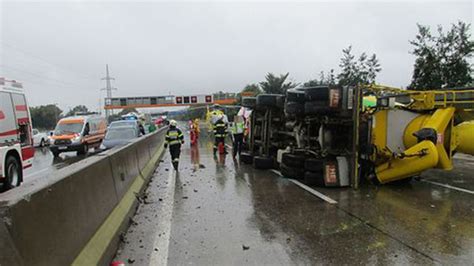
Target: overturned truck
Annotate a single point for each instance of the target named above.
(341, 136)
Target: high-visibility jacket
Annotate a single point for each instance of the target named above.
(220, 129)
(174, 136)
(237, 128)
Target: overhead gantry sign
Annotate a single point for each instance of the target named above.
(169, 100)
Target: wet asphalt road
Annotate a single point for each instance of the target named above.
(44, 164)
(218, 212)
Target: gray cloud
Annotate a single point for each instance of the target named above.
(59, 50)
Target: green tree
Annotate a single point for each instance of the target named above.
(77, 109)
(362, 70)
(253, 88)
(45, 116)
(324, 79)
(276, 85)
(442, 60)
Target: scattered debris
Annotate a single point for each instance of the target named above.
(185, 197)
(244, 247)
(195, 190)
(166, 169)
(202, 166)
(131, 260)
(160, 199)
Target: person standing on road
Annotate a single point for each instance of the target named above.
(237, 129)
(220, 132)
(174, 139)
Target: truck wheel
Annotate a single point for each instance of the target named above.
(270, 100)
(293, 160)
(246, 157)
(314, 165)
(314, 178)
(42, 143)
(84, 150)
(320, 93)
(291, 172)
(262, 162)
(249, 102)
(316, 107)
(295, 96)
(14, 173)
(294, 108)
(55, 154)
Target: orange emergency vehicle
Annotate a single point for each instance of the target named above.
(78, 133)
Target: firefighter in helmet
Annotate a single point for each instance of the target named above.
(220, 132)
(174, 139)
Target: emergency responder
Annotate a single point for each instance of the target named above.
(174, 138)
(220, 132)
(237, 129)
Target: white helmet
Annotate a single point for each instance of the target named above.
(173, 123)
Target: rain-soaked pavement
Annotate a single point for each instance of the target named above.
(44, 164)
(218, 212)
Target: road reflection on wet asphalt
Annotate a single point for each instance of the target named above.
(225, 213)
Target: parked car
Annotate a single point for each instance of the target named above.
(40, 139)
(16, 141)
(118, 136)
(78, 133)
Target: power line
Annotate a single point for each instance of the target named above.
(56, 66)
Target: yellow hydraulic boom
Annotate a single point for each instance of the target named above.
(420, 133)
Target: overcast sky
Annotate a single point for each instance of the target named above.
(59, 50)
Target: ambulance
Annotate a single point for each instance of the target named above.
(16, 138)
(78, 133)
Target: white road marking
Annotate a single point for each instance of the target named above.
(449, 186)
(310, 190)
(164, 227)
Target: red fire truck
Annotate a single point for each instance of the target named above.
(16, 139)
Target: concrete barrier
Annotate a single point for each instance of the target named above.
(78, 216)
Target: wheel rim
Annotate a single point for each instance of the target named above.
(13, 174)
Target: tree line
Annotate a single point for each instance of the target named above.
(442, 61)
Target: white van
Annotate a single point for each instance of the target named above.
(16, 140)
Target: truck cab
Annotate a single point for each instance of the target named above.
(16, 138)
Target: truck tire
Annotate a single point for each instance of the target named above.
(291, 172)
(41, 143)
(314, 165)
(314, 179)
(13, 173)
(55, 154)
(295, 96)
(320, 93)
(260, 162)
(294, 108)
(316, 107)
(249, 102)
(246, 157)
(293, 160)
(270, 100)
